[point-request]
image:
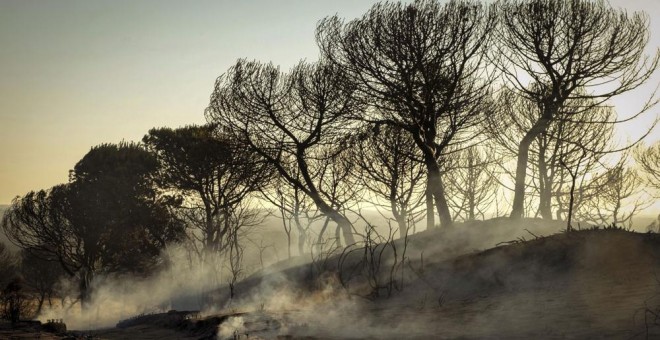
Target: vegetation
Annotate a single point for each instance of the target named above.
(107, 219)
(571, 50)
(420, 67)
(14, 301)
(459, 110)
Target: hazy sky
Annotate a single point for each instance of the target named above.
(74, 74)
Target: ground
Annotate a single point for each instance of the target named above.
(584, 284)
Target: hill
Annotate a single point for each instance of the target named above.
(582, 284)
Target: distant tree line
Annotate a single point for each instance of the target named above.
(459, 110)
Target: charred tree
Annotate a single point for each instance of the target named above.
(211, 174)
(421, 68)
(389, 167)
(563, 46)
(107, 219)
(295, 121)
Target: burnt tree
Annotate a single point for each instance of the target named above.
(295, 121)
(420, 67)
(562, 46)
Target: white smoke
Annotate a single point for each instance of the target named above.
(184, 286)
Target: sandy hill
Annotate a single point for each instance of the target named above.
(578, 285)
(596, 283)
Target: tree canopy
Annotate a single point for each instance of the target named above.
(107, 219)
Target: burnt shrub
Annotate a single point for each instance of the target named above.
(15, 303)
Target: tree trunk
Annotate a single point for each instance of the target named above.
(569, 225)
(472, 204)
(342, 222)
(313, 193)
(539, 127)
(403, 225)
(545, 186)
(400, 217)
(86, 277)
(302, 235)
(346, 228)
(338, 236)
(434, 185)
(323, 228)
(438, 191)
(430, 209)
(287, 231)
(208, 225)
(471, 185)
(40, 300)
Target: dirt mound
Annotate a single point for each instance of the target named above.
(189, 322)
(32, 330)
(577, 285)
(583, 284)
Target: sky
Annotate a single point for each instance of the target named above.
(74, 74)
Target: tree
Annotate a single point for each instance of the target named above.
(421, 68)
(617, 197)
(8, 265)
(569, 155)
(14, 301)
(294, 208)
(212, 175)
(107, 219)
(573, 144)
(294, 121)
(649, 161)
(472, 182)
(563, 46)
(41, 273)
(335, 181)
(235, 260)
(388, 165)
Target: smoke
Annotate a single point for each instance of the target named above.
(523, 290)
(190, 285)
(448, 292)
(231, 328)
(185, 285)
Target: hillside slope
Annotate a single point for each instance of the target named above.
(463, 283)
(584, 284)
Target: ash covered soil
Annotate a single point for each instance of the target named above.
(578, 285)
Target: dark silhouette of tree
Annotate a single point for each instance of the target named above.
(571, 145)
(617, 196)
(294, 208)
(211, 174)
(294, 121)
(420, 67)
(335, 182)
(41, 273)
(388, 165)
(107, 219)
(8, 265)
(563, 46)
(471, 182)
(15, 303)
(570, 154)
(235, 261)
(649, 161)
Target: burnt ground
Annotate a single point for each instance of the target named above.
(589, 284)
(578, 285)
(26, 330)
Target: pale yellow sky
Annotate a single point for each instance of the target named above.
(74, 74)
